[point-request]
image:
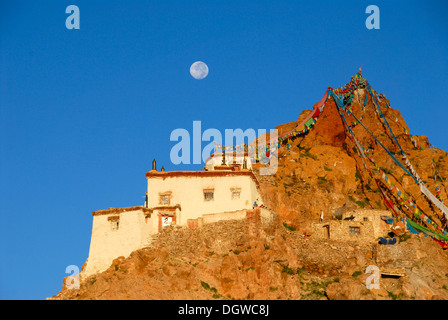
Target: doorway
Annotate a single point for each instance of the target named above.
(327, 231)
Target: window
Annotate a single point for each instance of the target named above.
(235, 193)
(366, 219)
(208, 194)
(114, 222)
(165, 198)
(355, 230)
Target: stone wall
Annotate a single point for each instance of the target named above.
(344, 230)
(366, 226)
(266, 217)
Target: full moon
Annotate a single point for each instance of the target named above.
(199, 70)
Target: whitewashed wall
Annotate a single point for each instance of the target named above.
(188, 193)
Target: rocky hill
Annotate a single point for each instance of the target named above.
(323, 171)
(354, 156)
(240, 260)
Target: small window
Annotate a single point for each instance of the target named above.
(165, 198)
(114, 222)
(366, 219)
(208, 195)
(236, 193)
(115, 225)
(355, 230)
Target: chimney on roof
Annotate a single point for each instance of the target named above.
(162, 169)
(154, 165)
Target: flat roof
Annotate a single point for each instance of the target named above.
(200, 174)
(120, 210)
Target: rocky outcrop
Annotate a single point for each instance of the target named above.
(234, 260)
(323, 172)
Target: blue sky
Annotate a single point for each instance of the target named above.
(84, 112)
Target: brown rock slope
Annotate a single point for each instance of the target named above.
(240, 260)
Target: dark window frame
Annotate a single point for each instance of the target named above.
(354, 230)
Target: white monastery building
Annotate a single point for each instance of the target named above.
(184, 198)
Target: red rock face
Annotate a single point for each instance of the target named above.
(323, 172)
(329, 130)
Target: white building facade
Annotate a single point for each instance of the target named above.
(172, 198)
